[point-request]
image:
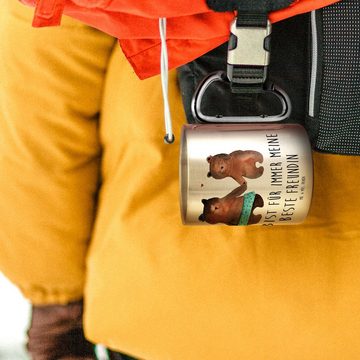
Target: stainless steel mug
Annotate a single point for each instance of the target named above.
(244, 174)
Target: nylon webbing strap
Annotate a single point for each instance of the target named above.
(251, 19)
(249, 42)
(251, 6)
(248, 52)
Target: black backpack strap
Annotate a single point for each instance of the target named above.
(289, 59)
(248, 6)
(249, 43)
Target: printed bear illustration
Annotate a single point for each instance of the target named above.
(232, 209)
(238, 164)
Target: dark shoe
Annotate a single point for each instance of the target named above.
(118, 356)
(56, 333)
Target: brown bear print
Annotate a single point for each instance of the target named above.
(228, 209)
(238, 164)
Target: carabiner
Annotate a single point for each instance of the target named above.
(263, 118)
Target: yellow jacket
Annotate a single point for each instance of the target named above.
(153, 287)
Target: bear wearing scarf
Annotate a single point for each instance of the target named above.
(232, 209)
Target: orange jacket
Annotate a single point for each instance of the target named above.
(192, 28)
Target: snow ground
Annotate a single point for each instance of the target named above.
(14, 319)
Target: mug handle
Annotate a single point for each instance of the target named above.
(221, 76)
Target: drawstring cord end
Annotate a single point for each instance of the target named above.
(169, 137)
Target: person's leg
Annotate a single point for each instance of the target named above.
(50, 92)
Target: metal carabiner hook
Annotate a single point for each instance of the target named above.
(221, 76)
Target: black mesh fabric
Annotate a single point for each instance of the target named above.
(339, 111)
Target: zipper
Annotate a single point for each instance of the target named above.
(314, 64)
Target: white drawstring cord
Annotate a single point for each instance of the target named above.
(169, 137)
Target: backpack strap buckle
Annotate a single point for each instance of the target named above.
(248, 52)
